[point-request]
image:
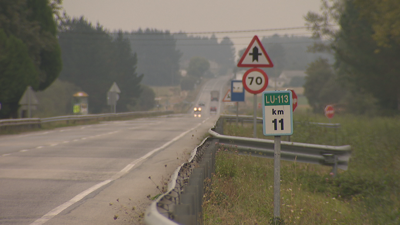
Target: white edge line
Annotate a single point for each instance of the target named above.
(54, 212)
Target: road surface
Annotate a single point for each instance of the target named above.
(95, 174)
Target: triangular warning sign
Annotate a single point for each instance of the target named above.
(255, 55)
(227, 97)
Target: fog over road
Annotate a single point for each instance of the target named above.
(91, 173)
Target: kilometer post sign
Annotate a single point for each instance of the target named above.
(277, 113)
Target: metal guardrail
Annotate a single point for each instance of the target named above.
(37, 122)
(249, 119)
(181, 204)
(335, 156)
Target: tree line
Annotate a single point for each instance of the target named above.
(38, 45)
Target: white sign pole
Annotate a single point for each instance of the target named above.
(255, 116)
(277, 177)
(237, 114)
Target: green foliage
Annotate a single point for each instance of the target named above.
(360, 62)
(321, 88)
(32, 23)
(146, 101)
(17, 73)
(123, 73)
(93, 61)
(158, 57)
(366, 49)
(384, 17)
(198, 66)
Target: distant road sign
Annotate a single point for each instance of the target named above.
(329, 111)
(227, 97)
(277, 113)
(294, 98)
(237, 91)
(255, 55)
(255, 80)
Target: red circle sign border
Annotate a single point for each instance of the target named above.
(330, 115)
(255, 70)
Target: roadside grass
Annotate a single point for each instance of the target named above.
(367, 193)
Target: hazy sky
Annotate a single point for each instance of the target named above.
(198, 15)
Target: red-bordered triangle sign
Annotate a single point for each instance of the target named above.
(227, 97)
(255, 55)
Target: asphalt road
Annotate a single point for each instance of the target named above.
(95, 174)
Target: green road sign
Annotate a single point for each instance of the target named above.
(277, 113)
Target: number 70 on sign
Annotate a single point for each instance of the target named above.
(277, 113)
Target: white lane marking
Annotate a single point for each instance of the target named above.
(23, 150)
(52, 145)
(54, 212)
(83, 138)
(65, 142)
(62, 207)
(75, 140)
(39, 147)
(6, 154)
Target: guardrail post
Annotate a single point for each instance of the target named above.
(184, 212)
(194, 189)
(335, 165)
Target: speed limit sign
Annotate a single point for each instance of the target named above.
(255, 80)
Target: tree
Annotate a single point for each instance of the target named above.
(157, 56)
(321, 88)
(384, 17)
(32, 22)
(366, 57)
(198, 66)
(17, 73)
(124, 74)
(362, 63)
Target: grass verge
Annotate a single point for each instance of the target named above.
(367, 193)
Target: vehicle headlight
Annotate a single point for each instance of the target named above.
(195, 109)
(199, 108)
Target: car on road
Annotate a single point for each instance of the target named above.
(197, 109)
(213, 109)
(202, 104)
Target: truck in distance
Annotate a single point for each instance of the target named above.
(214, 95)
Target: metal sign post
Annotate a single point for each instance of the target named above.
(112, 97)
(277, 176)
(255, 116)
(277, 121)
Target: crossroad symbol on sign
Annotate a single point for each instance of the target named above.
(255, 55)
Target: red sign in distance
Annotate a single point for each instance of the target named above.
(294, 99)
(329, 111)
(255, 80)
